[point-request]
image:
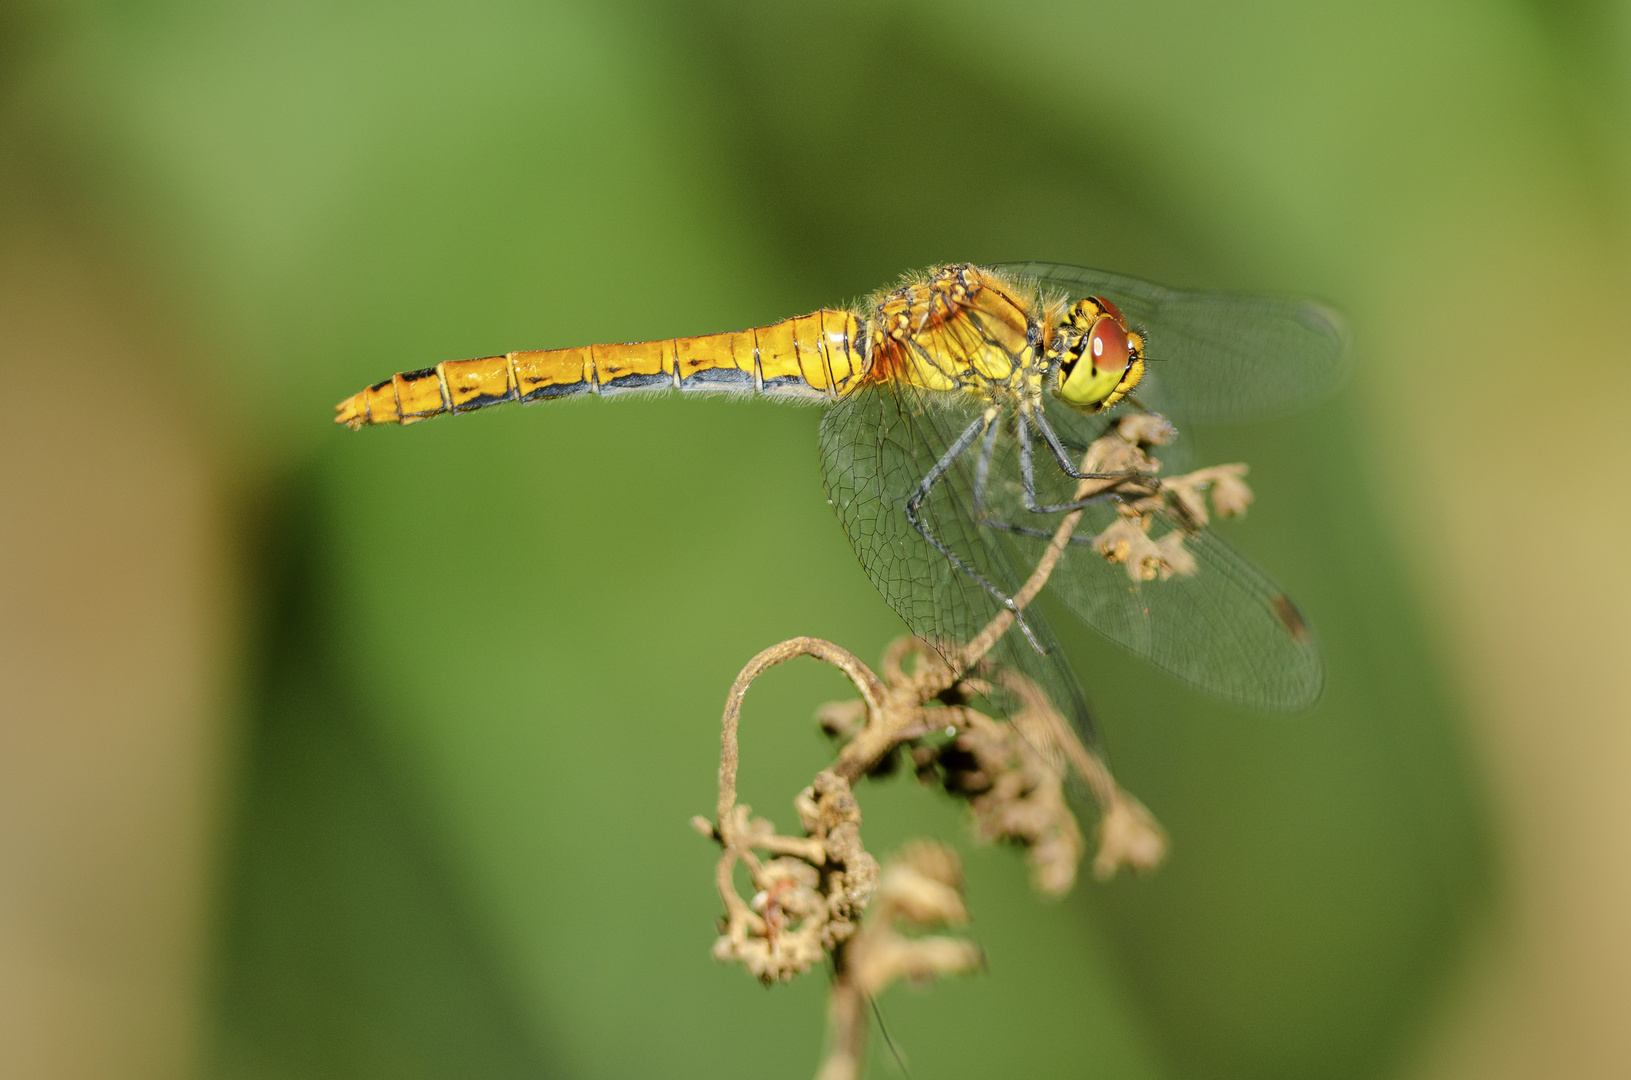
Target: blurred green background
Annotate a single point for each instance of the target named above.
(333, 755)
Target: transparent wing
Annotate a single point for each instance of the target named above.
(1221, 356)
(877, 445)
(1226, 629)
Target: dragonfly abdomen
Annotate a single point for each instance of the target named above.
(816, 357)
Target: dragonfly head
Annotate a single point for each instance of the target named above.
(1100, 360)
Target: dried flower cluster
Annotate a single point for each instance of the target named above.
(809, 893)
(921, 889)
(810, 896)
(1127, 540)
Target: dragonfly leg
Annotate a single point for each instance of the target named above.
(914, 505)
(982, 469)
(1028, 476)
(1040, 534)
(1051, 437)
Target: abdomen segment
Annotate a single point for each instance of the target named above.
(817, 357)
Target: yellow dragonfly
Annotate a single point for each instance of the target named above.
(959, 405)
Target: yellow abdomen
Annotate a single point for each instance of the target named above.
(818, 357)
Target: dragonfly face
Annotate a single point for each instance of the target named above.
(1100, 360)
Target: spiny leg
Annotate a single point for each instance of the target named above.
(982, 468)
(1029, 483)
(915, 503)
(1040, 534)
(1051, 437)
(1028, 476)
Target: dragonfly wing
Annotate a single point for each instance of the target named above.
(877, 445)
(1220, 356)
(1225, 629)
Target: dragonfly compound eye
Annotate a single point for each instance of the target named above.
(1108, 346)
(1113, 366)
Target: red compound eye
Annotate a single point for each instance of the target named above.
(1112, 310)
(1107, 343)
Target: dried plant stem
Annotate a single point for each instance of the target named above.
(847, 1022)
(847, 1027)
(727, 822)
(872, 692)
(982, 643)
(810, 891)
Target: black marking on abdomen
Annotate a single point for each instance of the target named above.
(481, 401)
(557, 390)
(719, 379)
(637, 382)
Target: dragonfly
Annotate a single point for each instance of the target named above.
(959, 405)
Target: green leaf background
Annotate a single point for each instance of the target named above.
(486, 655)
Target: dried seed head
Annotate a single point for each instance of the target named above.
(1176, 560)
(1128, 836)
(921, 887)
(1126, 541)
(1230, 495)
(841, 719)
(1146, 429)
(1190, 502)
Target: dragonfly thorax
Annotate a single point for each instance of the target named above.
(959, 329)
(1099, 360)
